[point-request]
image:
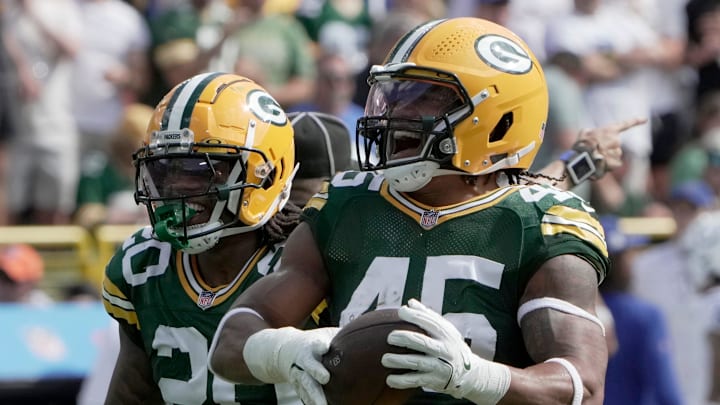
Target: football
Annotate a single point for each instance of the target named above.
(356, 375)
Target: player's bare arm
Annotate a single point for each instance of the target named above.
(552, 333)
(132, 381)
(283, 298)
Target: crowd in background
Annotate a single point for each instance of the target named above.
(79, 80)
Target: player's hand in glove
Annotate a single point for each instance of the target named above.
(291, 355)
(445, 363)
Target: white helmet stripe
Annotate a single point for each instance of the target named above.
(179, 103)
(405, 46)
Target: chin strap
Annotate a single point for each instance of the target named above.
(510, 161)
(414, 176)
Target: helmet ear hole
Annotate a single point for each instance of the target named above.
(502, 127)
(269, 180)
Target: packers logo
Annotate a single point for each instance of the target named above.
(503, 54)
(264, 106)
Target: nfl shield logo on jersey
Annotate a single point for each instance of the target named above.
(206, 299)
(429, 219)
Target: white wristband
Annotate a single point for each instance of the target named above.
(578, 389)
(491, 381)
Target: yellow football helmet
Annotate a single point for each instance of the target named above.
(218, 160)
(454, 96)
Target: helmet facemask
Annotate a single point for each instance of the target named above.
(408, 125)
(193, 196)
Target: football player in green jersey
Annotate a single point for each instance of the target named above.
(214, 173)
(501, 272)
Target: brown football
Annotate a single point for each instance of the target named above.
(356, 375)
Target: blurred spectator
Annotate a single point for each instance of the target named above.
(111, 69)
(703, 53)
(641, 371)
(288, 71)
(608, 196)
(661, 276)
(711, 174)
(713, 299)
(334, 89)
(566, 81)
(175, 61)
(186, 35)
(566, 112)
(106, 187)
(701, 244)
(669, 82)
(425, 9)
(529, 19)
(341, 40)
(606, 38)
(21, 270)
(690, 161)
(8, 113)
(494, 10)
(660, 62)
(383, 36)
(324, 18)
(44, 161)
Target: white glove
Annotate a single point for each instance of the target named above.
(291, 355)
(446, 363)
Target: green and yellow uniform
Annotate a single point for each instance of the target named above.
(158, 290)
(470, 261)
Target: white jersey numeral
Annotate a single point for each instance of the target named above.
(189, 341)
(537, 193)
(194, 347)
(384, 283)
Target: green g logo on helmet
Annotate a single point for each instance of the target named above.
(264, 106)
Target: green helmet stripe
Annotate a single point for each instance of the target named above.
(179, 110)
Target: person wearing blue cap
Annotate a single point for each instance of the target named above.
(687, 200)
(641, 370)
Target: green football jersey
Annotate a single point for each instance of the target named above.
(470, 261)
(158, 289)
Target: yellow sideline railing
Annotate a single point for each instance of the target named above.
(74, 254)
(66, 250)
(659, 228)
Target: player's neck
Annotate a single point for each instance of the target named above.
(449, 190)
(220, 265)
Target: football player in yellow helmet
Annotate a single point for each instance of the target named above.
(501, 272)
(218, 161)
(454, 98)
(214, 171)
